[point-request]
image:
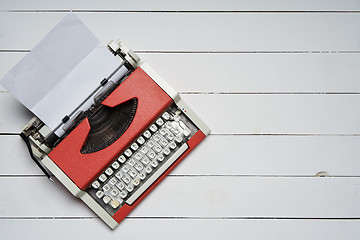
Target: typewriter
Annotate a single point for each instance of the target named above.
(121, 140)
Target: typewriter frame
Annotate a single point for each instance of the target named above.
(36, 133)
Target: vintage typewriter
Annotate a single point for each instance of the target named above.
(121, 140)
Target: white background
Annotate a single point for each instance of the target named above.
(276, 81)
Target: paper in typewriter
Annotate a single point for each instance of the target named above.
(61, 71)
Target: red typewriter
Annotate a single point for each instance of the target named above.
(121, 139)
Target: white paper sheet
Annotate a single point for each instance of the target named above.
(61, 71)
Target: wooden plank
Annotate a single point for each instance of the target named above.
(256, 73)
(162, 5)
(235, 155)
(208, 32)
(13, 115)
(59, 229)
(200, 197)
(243, 73)
(245, 114)
(15, 158)
(277, 114)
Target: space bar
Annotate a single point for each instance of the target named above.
(157, 174)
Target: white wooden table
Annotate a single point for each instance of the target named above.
(277, 82)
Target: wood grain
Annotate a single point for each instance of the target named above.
(246, 73)
(186, 5)
(193, 196)
(208, 32)
(179, 229)
(277, 81)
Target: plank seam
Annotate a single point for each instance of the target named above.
(184, 218)
(178, 11)
(221, 52)
(205, 175)
(257, 93)
(269, 93)
(255, 134)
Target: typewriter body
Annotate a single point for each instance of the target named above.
(120, 141)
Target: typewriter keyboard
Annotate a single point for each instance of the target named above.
(143, 162)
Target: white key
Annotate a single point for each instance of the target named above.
(106, 199)
(95, 184)
(114, 191)
(138, 156)
(106, 187)
(113, 181)
(141, 140)
(119, 175)
(115, 204)
(99, 194)
(153, 128)
(122, 159)
(162, 131)
(178, 139)
(166, 115)
(115, 165)
(109, 171)
(102, 177)
(177, 117)
(125, 168)
(120, 185)
(147, 134)
(132, 173)
(142, 176)
(131, 162)
(159, 122)
(186, 132)
(160, 158)
(145, 160)
(157, 149)
(150, 144)
(154, 163)
(163, 142)
(156, 137)
(129, 188)
(151, 155)
(172, 145)
(175, 131)
(126, 179)
(139, 166)
(123, 194)
(136, 182)
(168, 125)
(128, 152)
(134, 146)
(166, 151)
(148, 169)
(144, 149)
(170, 137)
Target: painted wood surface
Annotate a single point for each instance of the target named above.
(209, 32)
(278, 83)
(186, 5)
(246, 73)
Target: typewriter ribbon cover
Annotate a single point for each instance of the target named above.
(84, 168)
(127, 132)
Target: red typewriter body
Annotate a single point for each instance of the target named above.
(82, 169)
